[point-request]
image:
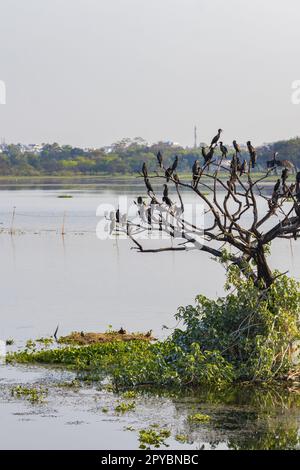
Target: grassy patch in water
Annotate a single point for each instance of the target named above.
(81, 338)
(123, 407)
(32, 394)
(199, 418)
(153, 438)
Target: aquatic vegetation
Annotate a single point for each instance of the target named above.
(32, 394)
(199, 418)
(123, 407)
(72, 384)
(134, 363)
(153, 438)
(30, 344)
(181, 438)
(46, 342)
(129, 428)
(104, 409)
(65, 196)
(129, 394)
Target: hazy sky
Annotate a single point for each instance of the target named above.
(89, 72)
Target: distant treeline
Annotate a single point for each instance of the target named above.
(124, 157)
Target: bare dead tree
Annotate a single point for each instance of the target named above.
(234, 216)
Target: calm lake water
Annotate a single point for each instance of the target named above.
(83, 283)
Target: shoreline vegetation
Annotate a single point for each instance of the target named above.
(123, 158)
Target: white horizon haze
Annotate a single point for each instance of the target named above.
(90, 72)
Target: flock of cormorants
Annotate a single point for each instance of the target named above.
(237, 167)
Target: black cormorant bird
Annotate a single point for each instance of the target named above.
(236, 147)
(284, 175)
(277, 186)
(216, 138)
(117, 215)
(166, 198)
(145, 170)
(204, 153)
(149, 186)
(252, 152)
(175, 163)
(235, 163)
(243, 168)
(223, 149)
(196, 171)
(159, 158)
(55, 332)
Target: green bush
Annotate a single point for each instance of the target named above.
(254, 330)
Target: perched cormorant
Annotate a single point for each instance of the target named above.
(235, 164)
(159, 158)
(236, 147)
(243, 168)
(216, 138)
(284, 175)
(145, 170)
(166, 198)
(196, 167)
(252, 152)
(117, 215)
(169, 171)
(277, 186)
(148, 186)
(55, 332)
(168, 174)
(223, 149)
(196, 171)
(175, 163)
(204, 153)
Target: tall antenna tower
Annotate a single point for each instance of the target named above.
(195, 137)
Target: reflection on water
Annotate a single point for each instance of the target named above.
(244, 417)
(82, 283)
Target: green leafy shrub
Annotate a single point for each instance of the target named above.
(153, 438)
(252, 329)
